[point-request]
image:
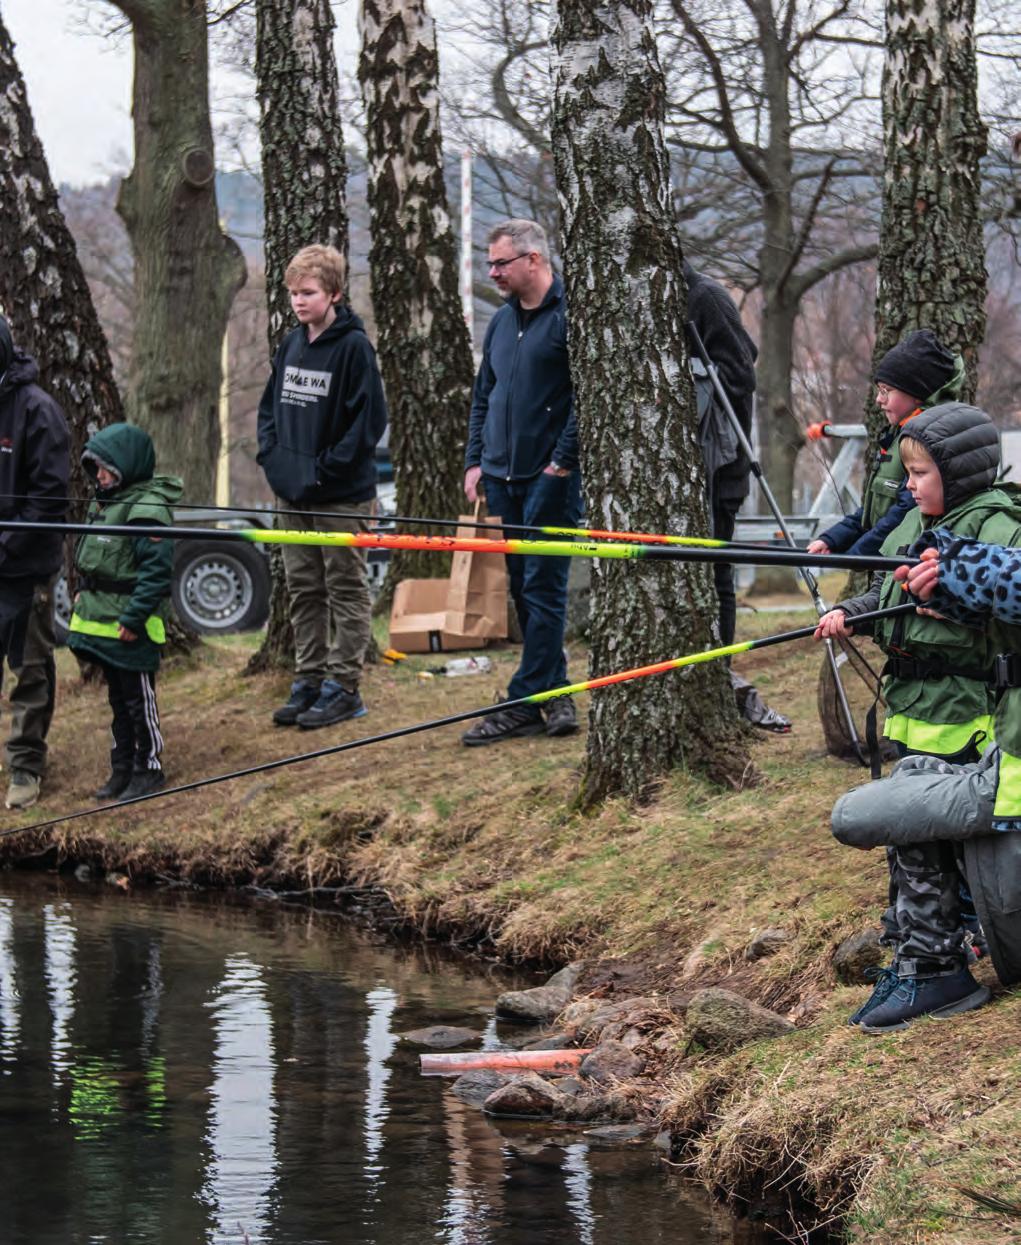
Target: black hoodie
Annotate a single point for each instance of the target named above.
(321, 415)
(35, 457)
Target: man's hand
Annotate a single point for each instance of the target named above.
(833, 626)
(921, 580)
(471, 483)
(124, 634)
(554, 469)
(818, 546)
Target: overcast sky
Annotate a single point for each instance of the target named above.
(79, 84)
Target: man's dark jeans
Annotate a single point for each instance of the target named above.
(538, 584)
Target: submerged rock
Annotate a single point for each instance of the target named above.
(442, 1037)
(476, 1086)
(611, 1061)
(526, 1096)
(856, 954)
(619, 1134)
(721, 1021)
(767, 942)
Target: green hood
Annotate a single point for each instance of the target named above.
(123, 448)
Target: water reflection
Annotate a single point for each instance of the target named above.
(186, 1070)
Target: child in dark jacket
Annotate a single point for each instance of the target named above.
(124, 590)
(940, 690)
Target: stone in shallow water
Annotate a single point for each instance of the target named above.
(526, 1096)
(619, 1134)
(475, 1087)
(538, 1006)
(442, 1037)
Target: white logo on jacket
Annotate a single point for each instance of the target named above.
(303, 386)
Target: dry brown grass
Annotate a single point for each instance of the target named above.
(880, 1133)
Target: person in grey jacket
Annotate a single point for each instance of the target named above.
(523, 452)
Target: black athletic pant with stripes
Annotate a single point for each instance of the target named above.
(137, 742)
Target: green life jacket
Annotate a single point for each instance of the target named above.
(108, 565)
(943, 713)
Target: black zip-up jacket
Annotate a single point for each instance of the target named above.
(322, 414)
(35, 461)
(728, 345)
(522, 415)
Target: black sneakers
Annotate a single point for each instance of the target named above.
(303, 696)
(504, 724)
(561, 716)
(943, 996)
(144, 782)
(333, 704)
(114, 786)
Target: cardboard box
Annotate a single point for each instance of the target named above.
(418, 619)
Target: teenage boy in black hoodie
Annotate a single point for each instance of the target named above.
(320, 418)
(34, 466)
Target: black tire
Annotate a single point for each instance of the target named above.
(220, 587)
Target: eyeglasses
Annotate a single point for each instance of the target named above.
(883, 391)
(501, 264)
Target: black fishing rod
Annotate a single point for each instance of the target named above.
(401, 732)
(588, 533)
(708, 551)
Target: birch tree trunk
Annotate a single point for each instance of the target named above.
(640, 457)
(187, 270)
(43, 290)
(931, 254)
(304, 184)
(424, 352)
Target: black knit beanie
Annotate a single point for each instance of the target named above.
(6, 346)
(918, 365)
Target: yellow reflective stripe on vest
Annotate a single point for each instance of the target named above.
(941, 738)
(154, 628)
(1008, 789)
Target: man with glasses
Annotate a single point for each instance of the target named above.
(523, 452)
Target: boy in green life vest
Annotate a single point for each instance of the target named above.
(918, 373)
(940, 689)
(123, 597)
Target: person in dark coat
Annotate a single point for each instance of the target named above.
(320, 418)
(34, 472)
(523, 451)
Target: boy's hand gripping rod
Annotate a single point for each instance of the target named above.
(810, 581)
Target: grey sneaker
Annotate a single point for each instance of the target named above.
(303, 696)
(334, 704)
(23, 789)
(561, 716)
(504, 724)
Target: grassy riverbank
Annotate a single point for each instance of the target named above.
(885, 1134)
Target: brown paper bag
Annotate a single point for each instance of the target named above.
(477, 600)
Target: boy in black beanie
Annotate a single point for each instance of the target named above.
(919, 372)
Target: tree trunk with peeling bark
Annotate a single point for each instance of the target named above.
(187, 270)
(932, 270)
(424, 353)
(43, 290)
(304, 176)
(637, 423)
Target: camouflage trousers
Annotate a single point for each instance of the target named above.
(924, 921)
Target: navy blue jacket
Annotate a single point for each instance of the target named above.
(850, 535)
(522, 415)
(321, 415)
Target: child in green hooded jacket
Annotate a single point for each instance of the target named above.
(123, 598)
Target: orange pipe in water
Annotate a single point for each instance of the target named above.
(561, 1061)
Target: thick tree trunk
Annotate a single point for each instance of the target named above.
(186, 270)
(424, 353)
(640, 457)
(304, 174)
(43, 290)
(931, 255)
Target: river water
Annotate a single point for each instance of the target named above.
(182, 1069)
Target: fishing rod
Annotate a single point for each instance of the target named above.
(589, 533)
(453, 719)
(759, 556)
(810, 581)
